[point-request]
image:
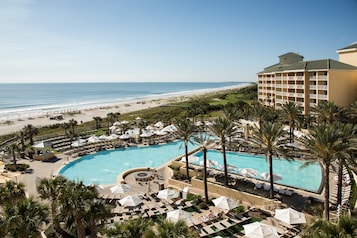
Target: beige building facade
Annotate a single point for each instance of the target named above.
(306, 83)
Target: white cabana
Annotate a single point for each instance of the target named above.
(260, 230)
(266, 176)
(168, 194)
(130, 201)
(248, 172)
(120, 189)
(177, 215)
(290, 216)
(225, 203)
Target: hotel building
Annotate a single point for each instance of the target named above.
(306, 83)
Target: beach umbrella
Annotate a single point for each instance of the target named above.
(168, 194)
(260, 230)
(79, 142)
(93, 139)
(138, 118)
(41, 145)
(170, 128)
(124, 137)
(112, 137)
(266, 176)
(146, 134)
(130, 201)
(199, 123)
(225, 203)
(230, 167)
(98, 187)
(103, 137)
(290, 216)
(160, 133)
(210, 163)
(124, 122)
(120, 188)
(248, 172)
(159, 124)
(191, 159)
(177, 215)
(116, 123)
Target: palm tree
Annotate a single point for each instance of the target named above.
(293, 115)
(326, 112)
(72, 124)
(65, 126)
(117, 114)
(51, 189)
(97, 122)
(270, 139)
(13, 149)
(346, 227)
(30, 131)
(98, 214)
(110, 118)
(168, 229)
(203, 139)
(11, 192)
(136, 228)
(25, 218)
(223, 128)
(185, 129)
(324, 145)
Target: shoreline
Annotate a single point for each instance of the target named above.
(87, 113)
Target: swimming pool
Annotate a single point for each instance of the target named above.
(308, 178)
(104, 167)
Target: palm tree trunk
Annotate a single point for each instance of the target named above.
(339, 182)
(327, 192)
(81, 233)
(186, 154)
(225, 165)
(271, 179)
(205, 174)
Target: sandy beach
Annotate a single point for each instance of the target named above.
(86, 114)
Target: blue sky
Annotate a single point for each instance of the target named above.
(165, 40)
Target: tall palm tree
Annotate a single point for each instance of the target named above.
(97, 122)
(293, 115)
(72, 124)
(223, 128)
(50, 188)
(136, 228)
(117, 114)
(13, 149)
(323, 145)
(185, 129)
(65, 126)
(270, 139)
(30, 131)
(25, 218)
(168, 229)
(204, 140)
(110, 118)
(326, 112)
(346, 227)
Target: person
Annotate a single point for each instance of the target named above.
(211, 215)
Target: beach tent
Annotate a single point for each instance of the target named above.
(260, 230)
(225, 203)
(248, 172)
(177, 215)
(290, 216)
(130, 201)
(120, 189)
(168, 194)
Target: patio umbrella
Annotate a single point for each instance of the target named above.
(93, 139)
(79, 142)
(130, 201)
(230, 167)
(146, 134)
(210, 163)
(248, 172)
(290, 216)
(191, 159)
(160, 133)
(112, 137)
(176, 215)
(41, 145)
(120, 188)
(266, 176)
(225, 203)
(260, 230)
(124, 137)
(159, 124)
(168, 194)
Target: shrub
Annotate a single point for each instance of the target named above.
(16, 167)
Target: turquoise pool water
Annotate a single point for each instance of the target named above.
(104, 167)
(308, 178)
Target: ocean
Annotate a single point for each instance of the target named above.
(18, 100)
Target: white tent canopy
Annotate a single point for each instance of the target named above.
(260, 230)
(290, 216)
(225, 203)
(176, 215)
(168, 194)
(120, 188)
(130, 201)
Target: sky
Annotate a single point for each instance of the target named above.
(165, 40)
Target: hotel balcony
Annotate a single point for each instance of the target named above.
(291, 86)
(322, 87)
(312, 87)
(312, 104)
(312, 95)
(300, 86)
(322, 97)
(300, 95)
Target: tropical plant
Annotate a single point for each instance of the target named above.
(72, 124)
(97, 122)
(25, 218)
(179, 229)
(13, 149)
(110, 118)
(270, 139)
(11, 192)
(30, 131)
(346, 227)
(223, 128)
(136, 228)
(185, 129)
(204, 140)
(324, 145)
(293, 116)
(326, 112)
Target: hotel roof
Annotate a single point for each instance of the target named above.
(352, 47)
(325, 64)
